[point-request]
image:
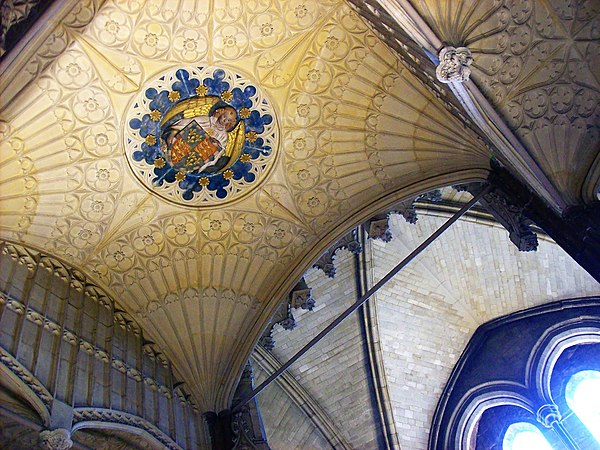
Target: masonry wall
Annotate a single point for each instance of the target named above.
(334, 371)
(286, 425)
(429, 311)
(65, 334)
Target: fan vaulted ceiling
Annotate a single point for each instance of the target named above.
(357, 131)
(537, 62)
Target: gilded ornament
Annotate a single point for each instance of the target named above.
(180, 176)
(155, 115)
(203, 181)
(245, 158)
(159, 163)
(150, 139)
(174, 96)
(244, 113)
(201, 90)
(226, 96)
(251, 136)
(228, 174)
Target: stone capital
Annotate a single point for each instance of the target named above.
(548, 415)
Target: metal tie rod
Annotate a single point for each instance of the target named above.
(362, 300)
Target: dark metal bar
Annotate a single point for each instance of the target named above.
(361, 300)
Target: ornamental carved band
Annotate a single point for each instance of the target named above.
(454, 65)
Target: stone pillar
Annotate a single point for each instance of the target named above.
(220, 430)
(58, 439)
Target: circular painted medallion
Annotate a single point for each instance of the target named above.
(200, 136)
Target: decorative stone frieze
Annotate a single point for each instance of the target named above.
(82, 415)
(378, 226)
(299, 297)
(453, 66)
(26, 377)
(21, 254)
(513, 219)
(284, 317)
(59, 439)
(71, 338)
(348, 242)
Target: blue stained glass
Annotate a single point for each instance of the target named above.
(583, 397)
(524, 436)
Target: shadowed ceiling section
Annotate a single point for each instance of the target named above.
(356, 129)
(536, 61)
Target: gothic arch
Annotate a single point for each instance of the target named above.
(525, 347)
(18, 379)
(109, 419)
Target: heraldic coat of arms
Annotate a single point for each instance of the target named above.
(199, 136)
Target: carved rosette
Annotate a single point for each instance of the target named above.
(178, 148)
(454, 65)
(59, 439)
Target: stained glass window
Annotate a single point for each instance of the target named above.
(583, 397)
(524, 436)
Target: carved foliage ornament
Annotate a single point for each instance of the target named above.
(59, 439)
(200, 136)
(454, 65)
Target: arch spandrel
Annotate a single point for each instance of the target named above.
(357, 132)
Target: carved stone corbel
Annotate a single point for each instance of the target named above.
(301, 296)
(284, 317)
(378, 226)
(59, 439)
(508, 213)
(349, 242)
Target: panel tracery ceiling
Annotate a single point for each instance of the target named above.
(537, 62)
(357, 130)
